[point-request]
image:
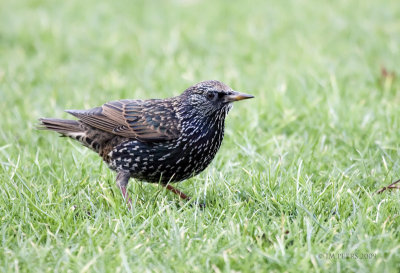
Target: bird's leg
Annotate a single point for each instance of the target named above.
(122, 182)
(176, 191)
(182, 195)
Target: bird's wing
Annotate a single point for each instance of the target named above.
(145, 120)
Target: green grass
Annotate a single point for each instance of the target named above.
(293, 186)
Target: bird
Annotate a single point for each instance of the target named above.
(155, 140)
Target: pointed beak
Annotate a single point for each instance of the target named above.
(235, 96)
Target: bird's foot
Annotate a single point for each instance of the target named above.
(122, 182)
(126, 197)
(201, 205)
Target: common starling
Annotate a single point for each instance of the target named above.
(157, 140)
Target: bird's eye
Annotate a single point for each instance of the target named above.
(211, 95)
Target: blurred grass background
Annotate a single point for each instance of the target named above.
(294, 181)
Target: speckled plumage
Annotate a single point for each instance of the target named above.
(158, 140)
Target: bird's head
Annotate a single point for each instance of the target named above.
(211, 97)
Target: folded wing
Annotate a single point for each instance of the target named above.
(145, 120)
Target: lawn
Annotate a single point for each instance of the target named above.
(293, 187)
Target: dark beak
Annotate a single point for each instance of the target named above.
(235, 96)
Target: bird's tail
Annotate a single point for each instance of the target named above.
(63, 126)
(73, 129)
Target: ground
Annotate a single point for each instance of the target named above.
(293, 187)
